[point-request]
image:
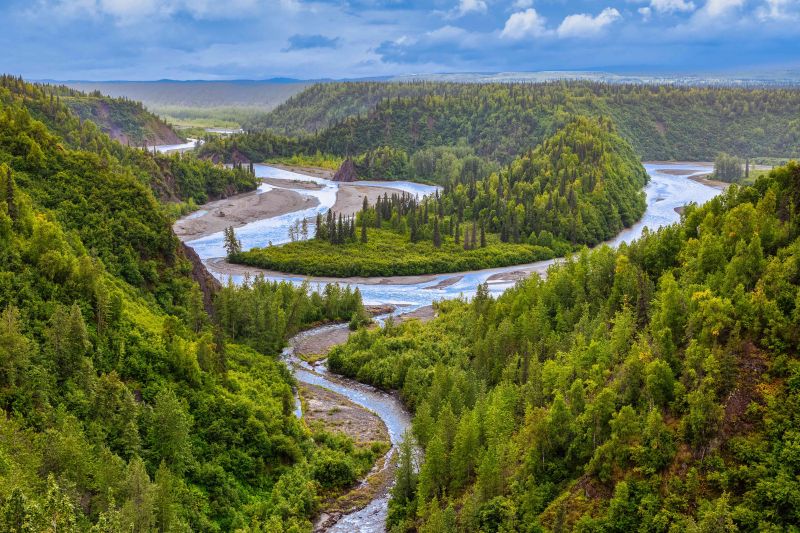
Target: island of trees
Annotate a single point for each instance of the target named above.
(582, 185)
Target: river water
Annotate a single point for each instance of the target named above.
(665, 192)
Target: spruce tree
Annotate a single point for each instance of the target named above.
(232, 245)
(437, 238)
(319, 230)
(474, 235)
(364, 227)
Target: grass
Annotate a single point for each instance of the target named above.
(388, 253)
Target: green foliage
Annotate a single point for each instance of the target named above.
(728, 168)
(650, 388)
(581, 186)
(263, 314)
(500, 121)
(124, 408)
(387, 253)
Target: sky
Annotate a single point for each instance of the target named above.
(314, 39)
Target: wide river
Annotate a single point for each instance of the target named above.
(669, 188)
(666, 191)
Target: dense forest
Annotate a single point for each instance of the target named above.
(125, 406)
(582, 185)
(500, 121)
(124, 120)
(655, 387)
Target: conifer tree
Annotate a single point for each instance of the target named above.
(232, 244)
(437, 238)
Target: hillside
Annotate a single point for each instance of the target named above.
(650, 388)
(662, 122)
(207, 103)
(582, 185)
(125, 407)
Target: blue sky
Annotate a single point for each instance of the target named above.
(256, 39)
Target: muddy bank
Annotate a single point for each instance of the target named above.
(334, 412)
(350, 197)
(239, 210)
(316, 172)
(293, 184)
(423, 314)
(705, 180)
(222, 266)
(446, 283)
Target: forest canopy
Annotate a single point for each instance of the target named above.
(125, 407)
(652, 388)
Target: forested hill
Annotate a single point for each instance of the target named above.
(502, 120)
(173, 178)
(123, 407)
(583, 184)
(655, 387)
(124, 120)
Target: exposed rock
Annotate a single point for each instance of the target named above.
(208, 283)
(346, 172)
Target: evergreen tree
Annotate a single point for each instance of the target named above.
(364, 227)
(233, 245)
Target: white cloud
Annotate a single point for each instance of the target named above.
(782, 10)
(716, 8)
(526, 23)
(522, 4)
(672, 6)
(585, 25)
(646, 13)
(471, 6)
(131, 11)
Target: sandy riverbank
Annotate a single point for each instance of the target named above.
(249, 207)
(316, 172)
(705, 180)
(221, 266)
(350, 196)
(293, 184)
(239, 210)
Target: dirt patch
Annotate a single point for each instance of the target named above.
(751, 366)
(705, 180)
(241, 209)
(311, 347)
(379, 309)
(350, 197)
(317, 172)
(333, 412)
(447, 282)
(336, 413)
(293, 184)
(221, 266)
(424, 314)
(675, 171)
